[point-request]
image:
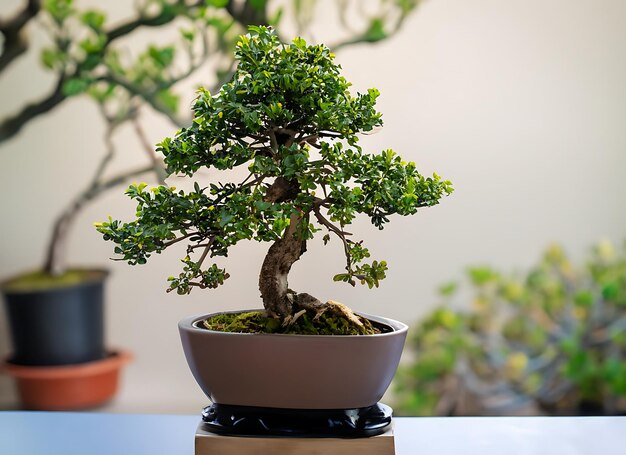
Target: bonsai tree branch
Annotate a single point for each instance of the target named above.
(382, 25)
(15, 41)
(206, 251)
(148, 96)
(338, 232)
(178, 239)
(157, 164)
(165, 16)
(11, 125)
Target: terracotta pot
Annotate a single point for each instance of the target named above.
(70, 386)
(292, 371)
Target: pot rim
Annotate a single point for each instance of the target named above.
(101, 275)
(189, 323)
(114, 361)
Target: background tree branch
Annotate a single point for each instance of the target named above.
(384, 24)
(15, 41)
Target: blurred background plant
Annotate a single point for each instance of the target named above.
(89, 57)
(552, 342)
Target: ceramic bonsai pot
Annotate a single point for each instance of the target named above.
(68, 387)
(293, 371)
(57, 326)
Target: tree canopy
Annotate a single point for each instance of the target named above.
(289, 116)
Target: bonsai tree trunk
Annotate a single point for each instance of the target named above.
(280, 301)
(277, 299)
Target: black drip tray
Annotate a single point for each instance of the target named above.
(319, 423)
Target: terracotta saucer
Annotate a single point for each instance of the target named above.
(67, 387)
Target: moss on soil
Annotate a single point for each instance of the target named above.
(40, 281)
(258, 322)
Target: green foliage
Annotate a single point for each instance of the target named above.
(83, 49)
(75, 86)
(93, 19)
(83, 44)
(59, 10)
(293, 86)
(51, 58)
(376, 31)
(555, 339)
(288, 115)
(209, 278)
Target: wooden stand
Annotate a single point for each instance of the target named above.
(212, 444)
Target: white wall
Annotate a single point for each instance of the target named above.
(520, 103)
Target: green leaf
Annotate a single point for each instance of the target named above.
(584, 298)
(610, 290)
(93, 19)
(188, 34)
(217, 3)
(75, 86)
(93, 45)
(51, 57)
(163, 57)
(376, 31)
(101, 93)
(482, 275)
(448, 289)
(60, 10)
(169, 99)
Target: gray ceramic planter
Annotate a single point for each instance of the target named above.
(292, 371)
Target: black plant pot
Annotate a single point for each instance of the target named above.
(60, 326)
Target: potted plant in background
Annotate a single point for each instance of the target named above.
(552, 342)
(56, 313)
(287, 115)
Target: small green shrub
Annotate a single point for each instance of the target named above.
(552, 342)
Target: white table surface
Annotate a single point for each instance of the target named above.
(43, 433)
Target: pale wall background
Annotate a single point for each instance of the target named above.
(520, 103)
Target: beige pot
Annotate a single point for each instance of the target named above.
(292, 371)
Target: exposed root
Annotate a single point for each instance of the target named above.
(341, 310)
(290, 320)
(307, 302)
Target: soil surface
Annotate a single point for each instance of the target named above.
(259, 322)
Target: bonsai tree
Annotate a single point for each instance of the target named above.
(85, 52)
(288, 115)
(552, 342)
